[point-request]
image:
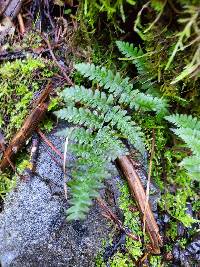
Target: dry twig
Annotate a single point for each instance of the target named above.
(127, 167)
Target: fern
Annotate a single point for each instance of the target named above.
(104, 120)
(81, 116)
(139, 59)
(189, 131)
(121, 88)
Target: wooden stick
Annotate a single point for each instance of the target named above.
(111, 216)
(30, 125)
(127, 167)
(21, 23)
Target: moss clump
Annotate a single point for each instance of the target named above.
(19, 80)
(134, 249)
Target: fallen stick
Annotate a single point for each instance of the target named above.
(30, 125)
(112, 217)
(127, 167)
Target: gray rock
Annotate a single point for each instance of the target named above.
(33, 226)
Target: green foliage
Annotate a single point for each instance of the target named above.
(132, 222)
(136, 55)
(105, 121)
(176, 203)
(189, 131)
(6, 183)
(122, 89)
(191, 28)
(18, 82)
(90, 10)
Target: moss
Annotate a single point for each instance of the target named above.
(19, 81)
(134, 249)
(155, 261)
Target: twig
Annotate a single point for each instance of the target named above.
(29, 126)
(64, 163)
(111, 216)
(45, 139)
(149, 178)
(34, 153)
(128, 169)
(21, 24)
(56, 61)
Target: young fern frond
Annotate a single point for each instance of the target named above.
(189, 131)
(140, 61)
(146, 75)
(134, 53)
(103, 123)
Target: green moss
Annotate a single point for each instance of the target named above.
(133, 222)
(6, 183)
(19, 80)
(155, 261)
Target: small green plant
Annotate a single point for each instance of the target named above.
(18, 82)
(188, 129)
(105, 120)
(90, 10)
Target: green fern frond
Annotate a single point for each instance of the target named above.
(136, 54)
(189, 131)
(184, 121)
(192, 165)
(103, 125)
(83, 191)
(114, 83)
(142, 64)
(191, 137)
(147, 102)
(80, 116)
(94, 99)
(127, 127)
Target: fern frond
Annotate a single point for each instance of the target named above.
(147, 102)
(189, 131)
(136, 54)
(103, 126)
(83, 191)
(192, 165)
(114, 83)
(190, 137)
(94, 99)
(127, 127)
(80, 116)
(139, 59)
(184, 121)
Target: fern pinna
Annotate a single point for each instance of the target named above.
(144, 68)
(188, 129)
(104, 120)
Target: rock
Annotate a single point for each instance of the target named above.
(33, 226)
